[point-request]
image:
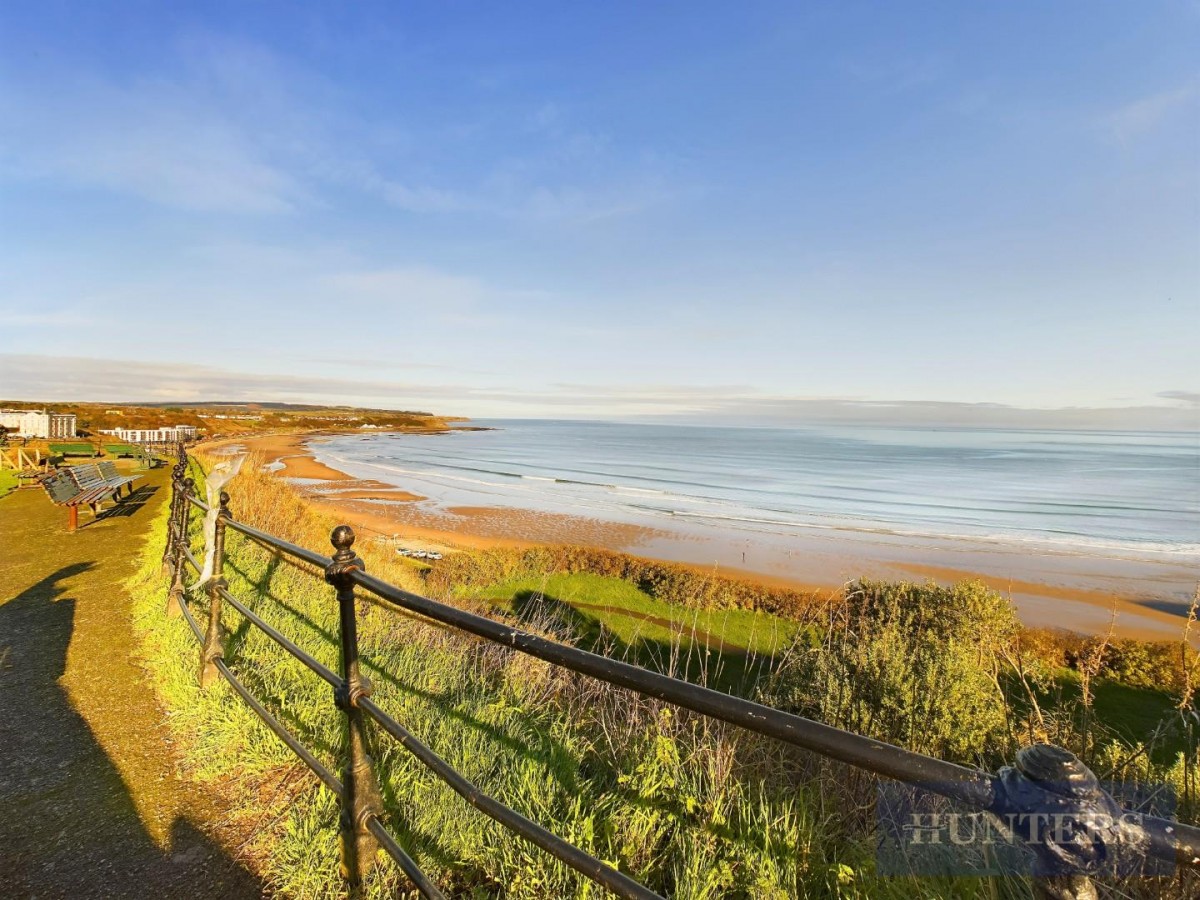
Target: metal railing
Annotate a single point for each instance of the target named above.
(1089, 831)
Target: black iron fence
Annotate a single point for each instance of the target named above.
(1050, 800)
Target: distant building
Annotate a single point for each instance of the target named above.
(26, 422)
(36, 423)
(166, 434)
(62, 425)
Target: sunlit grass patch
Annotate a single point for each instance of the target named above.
(8, 482)
(729, 649)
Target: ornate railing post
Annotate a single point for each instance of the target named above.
(179, 530)
(1055, 806)
(214, 646)
(361, 798)
(173, 516)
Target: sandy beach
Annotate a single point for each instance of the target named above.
(1048, 589)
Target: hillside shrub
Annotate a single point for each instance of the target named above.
(915, 665)
(1148, 664)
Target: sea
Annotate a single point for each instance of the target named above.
(1105, 492)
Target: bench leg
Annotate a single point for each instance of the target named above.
(72, 518)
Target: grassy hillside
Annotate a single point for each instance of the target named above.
(693, 808)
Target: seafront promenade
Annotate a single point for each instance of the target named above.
(91, 803)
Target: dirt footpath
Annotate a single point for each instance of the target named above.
(91, 804)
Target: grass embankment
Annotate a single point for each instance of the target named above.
(690, 807)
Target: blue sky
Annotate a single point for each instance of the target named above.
(745, 210)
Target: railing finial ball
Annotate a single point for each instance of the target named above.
(343, 539)
(224, 500)
(189, 483)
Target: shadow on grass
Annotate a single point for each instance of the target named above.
(1134, 714)
(695, 655)
(129, 505)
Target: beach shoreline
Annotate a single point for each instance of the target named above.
(1049, 589)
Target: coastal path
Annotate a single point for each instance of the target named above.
(91, 803)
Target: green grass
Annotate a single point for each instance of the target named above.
(652, 793)
(73, 449)
(728, 649)
(8, 482)
(417, 565)
(632, 615)
(1132, 713)
(692, 808)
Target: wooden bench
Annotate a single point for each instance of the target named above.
(109, 470)
(90, 475)
(74, 450)
(65, 491)
(146, 458)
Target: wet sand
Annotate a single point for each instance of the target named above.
(1048, 588)
(289, 451)
(1133, 619)
(389, 494)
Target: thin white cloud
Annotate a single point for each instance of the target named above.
(1144, 115)
(1190, 398)
(423, 294)
(896, 76)
(235, 128)
(60, 319)
(535, 168)
(156, 140)
(414, 286)
(524, 197)
(423, 199)
(51, 379)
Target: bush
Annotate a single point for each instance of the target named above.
(914, 665)
(1157, 664)
(1048, 649)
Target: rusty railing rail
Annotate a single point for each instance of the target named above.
(1089, 832)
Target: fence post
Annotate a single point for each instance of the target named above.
(172, 516)
(361, 798)
(1056, 806)
(179, 532)
(214, 647)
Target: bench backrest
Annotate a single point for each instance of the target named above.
(108, 470)
(87, 476)
(60, 487)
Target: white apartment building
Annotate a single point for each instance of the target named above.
(166, 434)
(37, 423)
